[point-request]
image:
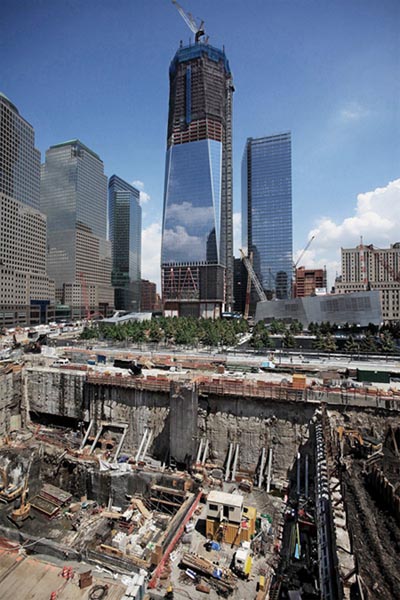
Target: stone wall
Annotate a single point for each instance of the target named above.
(58, 393)
(10, 401)
(254, 424)
(178, 422)
(140, 409)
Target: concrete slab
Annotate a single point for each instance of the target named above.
(29, 578)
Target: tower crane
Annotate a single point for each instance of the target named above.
(248, 290)
(190, 21)
(253, 276)
(302, 253)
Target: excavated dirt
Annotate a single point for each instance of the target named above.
(375, 536)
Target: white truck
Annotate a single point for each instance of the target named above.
(243, 560)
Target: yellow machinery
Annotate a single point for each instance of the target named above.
(8, 491)
(357, 440)
(19, 515)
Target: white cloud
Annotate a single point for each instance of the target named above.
(190, 216)
(151, 250)
(376, 218)
(144, 197)
(354, 112)
(138, 184)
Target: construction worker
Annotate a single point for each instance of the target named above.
(170, 593)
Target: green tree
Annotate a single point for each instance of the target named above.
(210, 337)
(260, 338)
(155, 333)
(89, 333)
(329, 343)
(277, 326)
(388, 345)
(313, 328)
(228, 336)
(325, 343)
(351, 345)
(368, 344)
(296, 327)
(325, 327)
(288, 340)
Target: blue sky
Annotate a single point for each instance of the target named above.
(328, 70)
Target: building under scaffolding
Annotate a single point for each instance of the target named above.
(197, 254)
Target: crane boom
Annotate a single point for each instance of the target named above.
(254, 278)
(302, 253)
(190, 21)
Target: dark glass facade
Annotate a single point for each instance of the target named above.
(74, 198)
(192, 221)
(19, 159)
(125, 234)
(267, 211)
(196, 254)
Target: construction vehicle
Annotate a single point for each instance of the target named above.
(20, 514)
(362, 443)
(169, 595)
(190, 21)
(8, 491)
(242, 560)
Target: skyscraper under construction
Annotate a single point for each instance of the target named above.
(197, 252)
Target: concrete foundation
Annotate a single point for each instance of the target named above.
(178, 418)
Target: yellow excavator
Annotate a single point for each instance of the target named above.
(20, 514)
(356, 440)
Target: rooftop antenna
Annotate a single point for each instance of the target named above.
(198, 29)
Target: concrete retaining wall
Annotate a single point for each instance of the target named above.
(56, 393)
(10, 402)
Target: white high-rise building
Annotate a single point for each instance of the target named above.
(26, 294)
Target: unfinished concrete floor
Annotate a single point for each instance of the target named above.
(26, 577)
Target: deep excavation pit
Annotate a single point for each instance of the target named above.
(118, 449)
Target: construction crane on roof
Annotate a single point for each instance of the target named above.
(190, 21)
(253, 276)
(302, 253)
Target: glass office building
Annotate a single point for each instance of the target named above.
(267, 211)
(74, 198)
(197, 255)
(19, 159)
(125, 234)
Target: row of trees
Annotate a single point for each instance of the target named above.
(324, 341)
(184, 331)
(187, 331)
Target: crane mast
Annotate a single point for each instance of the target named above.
(253, 276)
(190, 21)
